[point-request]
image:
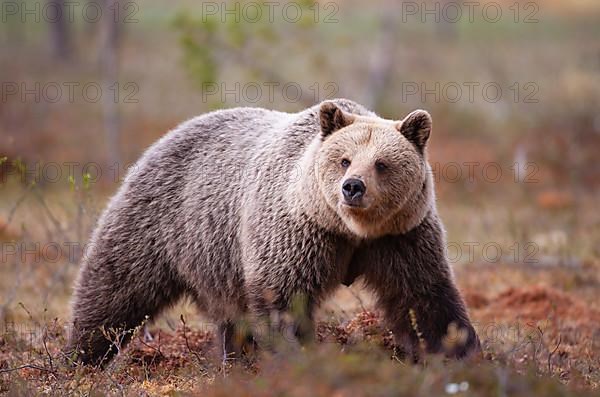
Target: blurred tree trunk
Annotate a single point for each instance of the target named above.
(59, 30)
(446, 28)
(110, 87)
(381, 66)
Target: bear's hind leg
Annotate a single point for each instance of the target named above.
(110, 301)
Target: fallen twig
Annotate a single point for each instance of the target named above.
(25, 366)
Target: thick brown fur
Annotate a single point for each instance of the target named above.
(242, 210)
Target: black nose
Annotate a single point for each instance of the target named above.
(353, 189)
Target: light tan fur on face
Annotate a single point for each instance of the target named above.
(364, 143)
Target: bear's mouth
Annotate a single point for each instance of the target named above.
(354, 206)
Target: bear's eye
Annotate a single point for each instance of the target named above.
(380, 165)
(345, 163)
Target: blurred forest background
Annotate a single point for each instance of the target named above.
(514, 91)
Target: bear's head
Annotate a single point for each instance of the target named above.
(373, 173)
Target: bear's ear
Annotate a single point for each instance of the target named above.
(333, 118)
(416, 127)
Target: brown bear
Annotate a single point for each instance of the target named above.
(244, 209)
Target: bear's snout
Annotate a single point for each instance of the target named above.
(353, 190)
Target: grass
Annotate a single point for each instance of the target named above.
(352, 358)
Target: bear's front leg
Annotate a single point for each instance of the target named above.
(288, 272)
(416, 291)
